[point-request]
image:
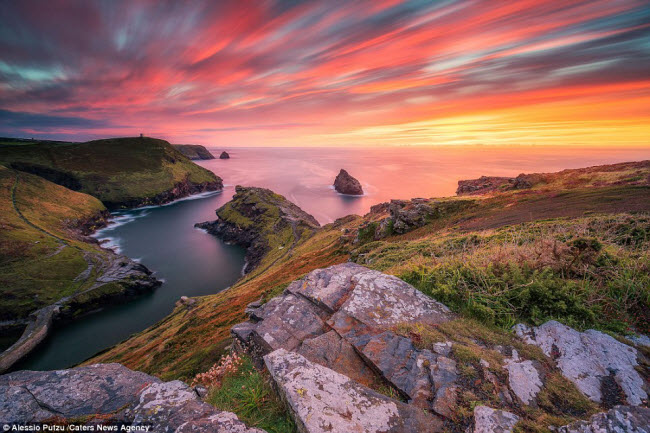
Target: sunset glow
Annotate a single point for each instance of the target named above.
(323, 73)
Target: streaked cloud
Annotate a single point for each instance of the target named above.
(369, 72)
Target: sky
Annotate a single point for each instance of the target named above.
(328, 73)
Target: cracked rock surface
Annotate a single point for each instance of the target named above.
(322, 400)
(111, 393)
(602, 368)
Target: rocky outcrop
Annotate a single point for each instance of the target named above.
(322, 400)
(489, 184)
(109, 394)
(133, 279)
(343, 317)
(224, 155)
(488, 420)
(602, 368)
(620, 419)
(253, 217)
(407, 215)
(346, 184)
(194, 151)
(179, 190)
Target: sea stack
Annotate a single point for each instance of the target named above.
(346, 184)
(224, 155)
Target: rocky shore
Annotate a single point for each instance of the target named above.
(182, 189)
(252, 215)
(120, 280)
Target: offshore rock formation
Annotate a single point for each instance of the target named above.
(224, 155)
(194, 151)
(110, 393)
(331, 338)
(346, 184)
(254, 215)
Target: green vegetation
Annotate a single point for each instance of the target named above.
(535, 272)
(119, 171)
(247, 392)
(41, 254)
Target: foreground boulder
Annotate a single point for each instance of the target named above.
(602, 368)
(346, 184)
(342, 318)
(322, 400)
(110, 393)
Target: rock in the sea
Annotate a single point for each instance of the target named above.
(620, 419)
(342, 317)
(602, 368)
(109, 393)
(346, 184)
(324, 401)
(488, 420)
(224, 155)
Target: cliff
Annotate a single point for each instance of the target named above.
(194, 151)
(50, 269)
(121, 172)
(261, 221)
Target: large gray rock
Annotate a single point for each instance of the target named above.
(342, 318)
(602, 368)
(488, 420)
(175, 407)
(99, 388)
(111, 392)
(620, 419)
(322, 400)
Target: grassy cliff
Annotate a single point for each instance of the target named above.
(121, 172)
(44, 256)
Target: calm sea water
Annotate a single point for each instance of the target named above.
(305, 175)
(193, 263)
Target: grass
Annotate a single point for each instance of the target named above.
(586, 272)
(117, 171)
(247, 392)
(41, 255)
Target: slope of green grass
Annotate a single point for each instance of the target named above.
(41, 253)
(118, 171)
